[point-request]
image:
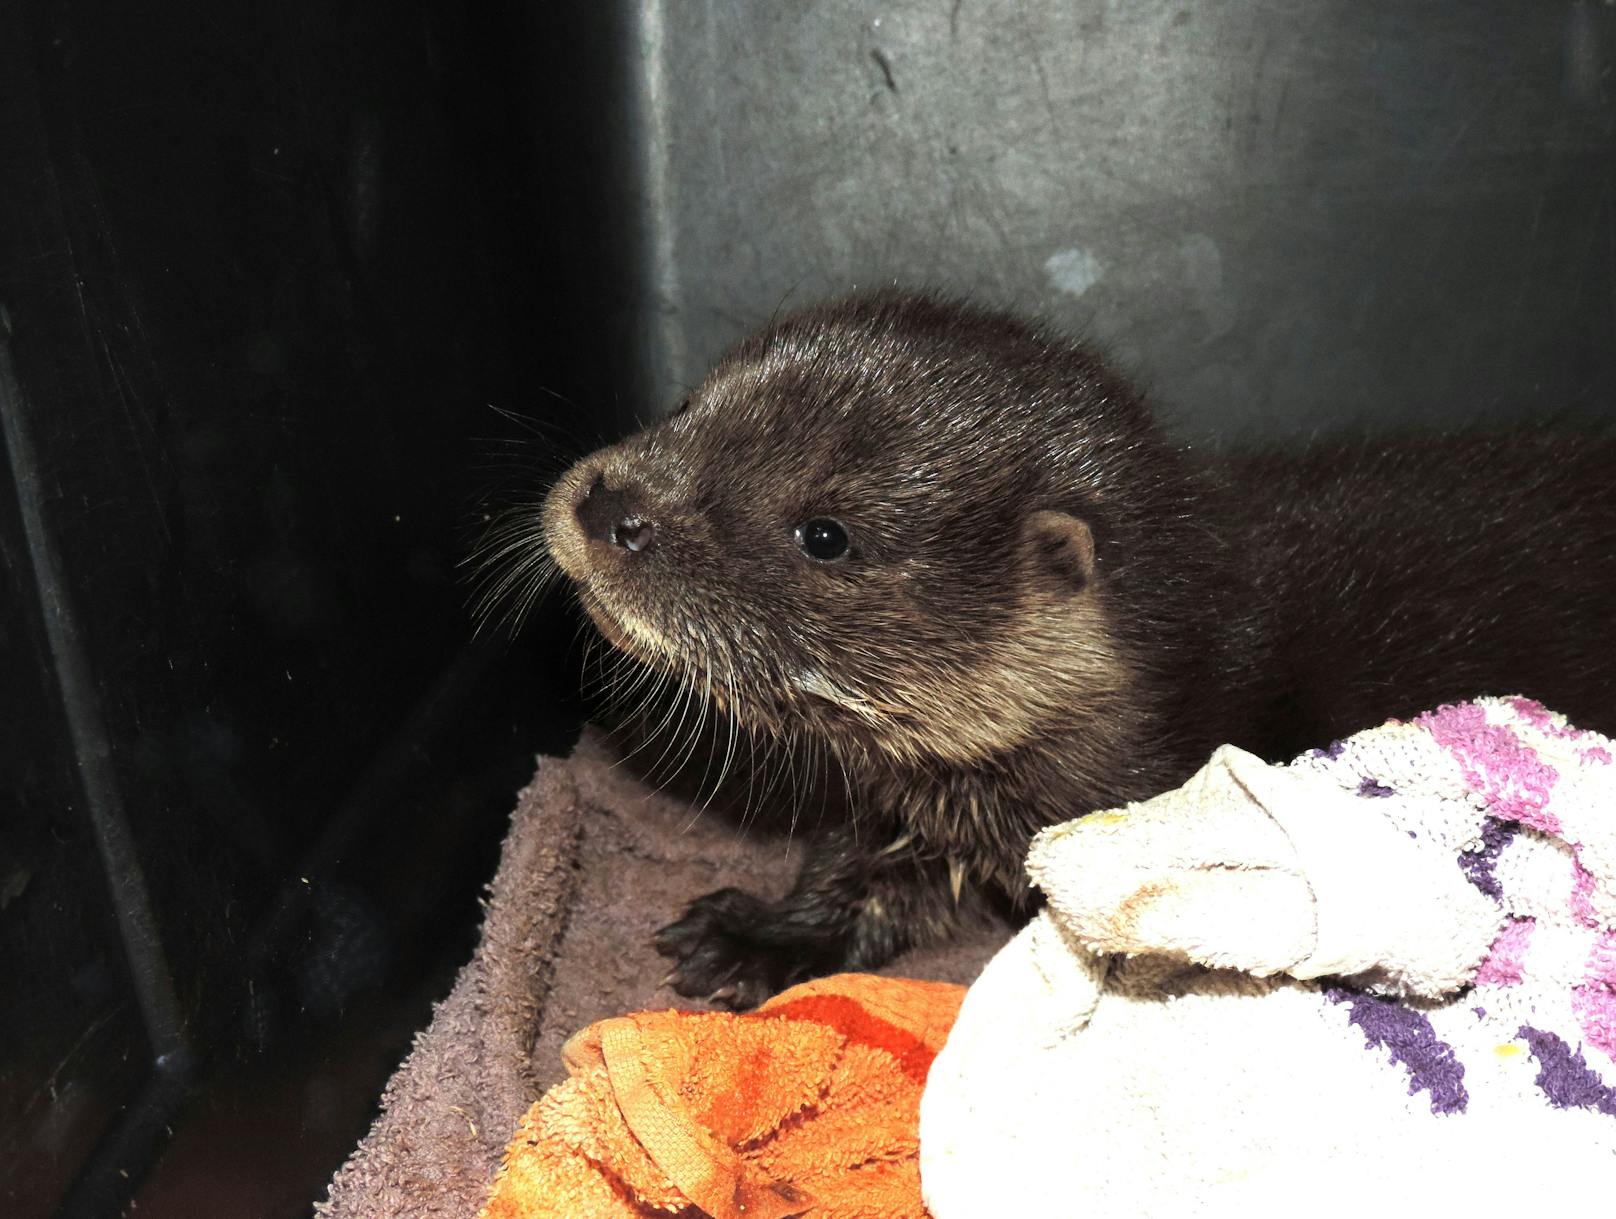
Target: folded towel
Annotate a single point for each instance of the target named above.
(807, 1106)
(1383, 974)
(560, 948)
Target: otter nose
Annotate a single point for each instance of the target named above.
(612, 516)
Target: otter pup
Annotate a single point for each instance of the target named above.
(956, 552)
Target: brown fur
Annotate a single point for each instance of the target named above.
(1047, 608)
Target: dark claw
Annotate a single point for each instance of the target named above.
(720, 955)
(680, 938)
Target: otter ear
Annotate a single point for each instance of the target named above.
(1061, 545)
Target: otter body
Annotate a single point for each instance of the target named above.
(955, 555)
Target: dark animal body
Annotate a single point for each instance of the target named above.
(955, 554)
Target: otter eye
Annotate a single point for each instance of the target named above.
(822, 539)
(681, 408)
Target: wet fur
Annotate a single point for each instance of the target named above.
(1050, 607)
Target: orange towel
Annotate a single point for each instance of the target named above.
(808, 1106)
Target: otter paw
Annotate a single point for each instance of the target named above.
(723, 954)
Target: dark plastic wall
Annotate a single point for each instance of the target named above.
(264, 270)
(1284, 216)
(264, 273)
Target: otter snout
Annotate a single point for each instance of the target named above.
(601, 513)
(600, 520)
(615, 517)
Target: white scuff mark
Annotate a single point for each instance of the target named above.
(1073, 271)
(1202, 262)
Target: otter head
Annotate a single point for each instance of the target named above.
(885, 519)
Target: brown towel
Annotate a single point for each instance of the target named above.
(594, 862)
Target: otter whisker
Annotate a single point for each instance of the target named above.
(723, 770)
(547, 573)
(546, 429)
(651, 689)
(695, 741)
(811, 767)
(751, 774)
(642, 678)
(791, 783)
(664, 693)
(583, 632)
(607, 663)
(847, 782)
(683, 711)
(731, 714)
(497, 578)
(539, 578)
(611, 686)
(772, 747)
(515, 528)
(511, 568)
(661, 693)
(590, 655)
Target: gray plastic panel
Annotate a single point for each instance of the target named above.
(1282, 216)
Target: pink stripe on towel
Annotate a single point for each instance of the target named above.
(1506, 958)
(1515, 782)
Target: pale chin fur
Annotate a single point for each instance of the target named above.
(812, 681)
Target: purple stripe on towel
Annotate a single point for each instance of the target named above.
(1564, 1075)
(1408, 1036)
(1478, 865)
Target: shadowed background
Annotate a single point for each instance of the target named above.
(264, 272)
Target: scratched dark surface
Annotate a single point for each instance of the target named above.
(1284, 216)
(263, 271)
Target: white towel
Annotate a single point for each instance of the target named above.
(1381, 978)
